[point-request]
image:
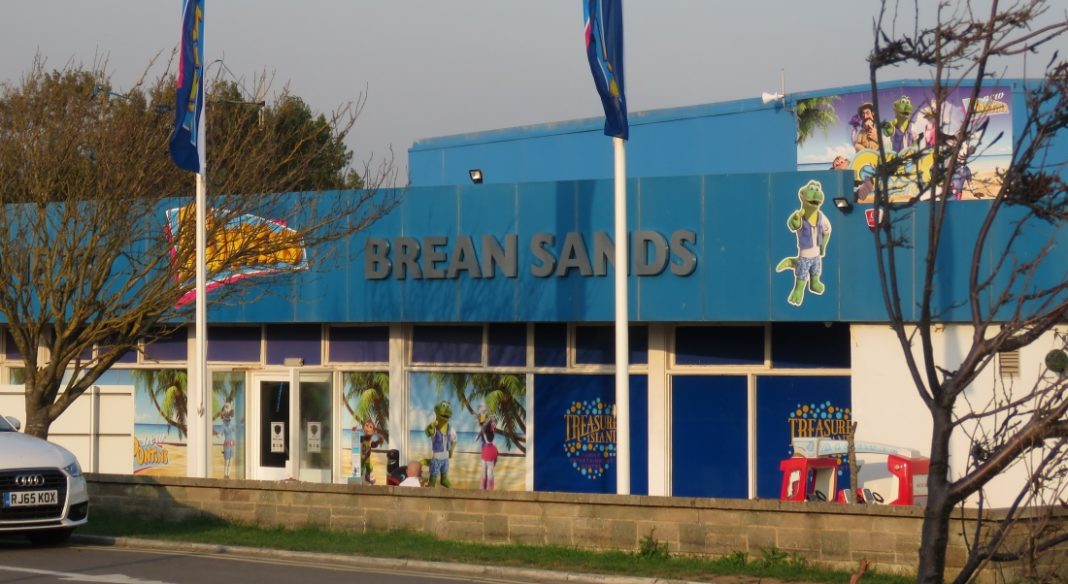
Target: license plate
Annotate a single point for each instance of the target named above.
(31, 498)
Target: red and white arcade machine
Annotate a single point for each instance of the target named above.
(811, 473)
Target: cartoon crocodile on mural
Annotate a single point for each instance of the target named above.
(813, 231)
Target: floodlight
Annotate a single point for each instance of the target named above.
(844, 205)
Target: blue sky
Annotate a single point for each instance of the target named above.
(432, 68)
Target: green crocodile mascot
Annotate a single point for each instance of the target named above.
(813, 231)
(897, 129)
(442, 443)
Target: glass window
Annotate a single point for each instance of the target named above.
(447, 344)
(11, 352)
(810, 344)
(710, 436)
(719, 345)
(507, 345)
(129, 357)
(596, 345)
(550, 345)
(359, 344)
(294, 340)
(234, 343)
(791, 407)
(174, 346)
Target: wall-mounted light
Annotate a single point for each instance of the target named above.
(476, 175)
(843, 204)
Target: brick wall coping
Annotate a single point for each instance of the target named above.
(755, 505)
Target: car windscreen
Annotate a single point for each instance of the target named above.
(5, 426)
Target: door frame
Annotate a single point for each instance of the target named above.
(259, 472)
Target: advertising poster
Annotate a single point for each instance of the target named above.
(844, 137)
(798, 407)
(160, 430)
(365, 426)
(228, 426)
(470, 429)
(575, 434)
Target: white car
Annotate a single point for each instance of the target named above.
(42, 491)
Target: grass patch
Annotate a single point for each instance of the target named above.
(651, 560)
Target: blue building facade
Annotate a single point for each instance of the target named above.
(492, 303)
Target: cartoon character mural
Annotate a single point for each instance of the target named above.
(228, 428)
(366, 401)
(813, 231)
(486, 429)
(442, 444)
(911, 123)
(897, 129)
(362, 448)
(469, 429)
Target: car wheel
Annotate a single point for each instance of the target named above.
(50, 537)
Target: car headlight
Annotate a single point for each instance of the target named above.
(73, 469)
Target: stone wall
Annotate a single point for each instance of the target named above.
(835, 535)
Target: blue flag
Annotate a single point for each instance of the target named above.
(187, 140)
(604, 48)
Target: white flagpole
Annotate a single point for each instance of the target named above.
(201, 389)
(622, 342)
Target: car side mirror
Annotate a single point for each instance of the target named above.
(14, 422)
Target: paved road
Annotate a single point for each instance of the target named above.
(24, 564)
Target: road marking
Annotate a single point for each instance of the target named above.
(76, 577)
(316, 563)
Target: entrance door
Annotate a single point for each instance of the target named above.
(293, 413)
(315, 411)
(272, 413)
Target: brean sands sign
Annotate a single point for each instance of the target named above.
(434, 257)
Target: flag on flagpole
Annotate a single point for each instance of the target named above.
(604, 49)
(187, 140)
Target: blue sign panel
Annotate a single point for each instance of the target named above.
(709, 436)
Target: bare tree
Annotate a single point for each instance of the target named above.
(96, 229)
(1014, 296)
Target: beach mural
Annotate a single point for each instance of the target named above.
(839, 132)
(470, 429)
(228, 425)
(160, 430)
(365, 426)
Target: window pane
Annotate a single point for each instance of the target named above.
(234, 343)
(359, 344)
(507, 345)
(11, 352)
(810, 344)
(294, 340)
(173, 346)
(596, 345)
(719, 345)
(550, 345)
(447, 344)
(798, 407)
(710, 436)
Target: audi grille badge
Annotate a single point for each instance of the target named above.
(29, 480)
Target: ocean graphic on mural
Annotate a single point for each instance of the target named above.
(159, 441)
